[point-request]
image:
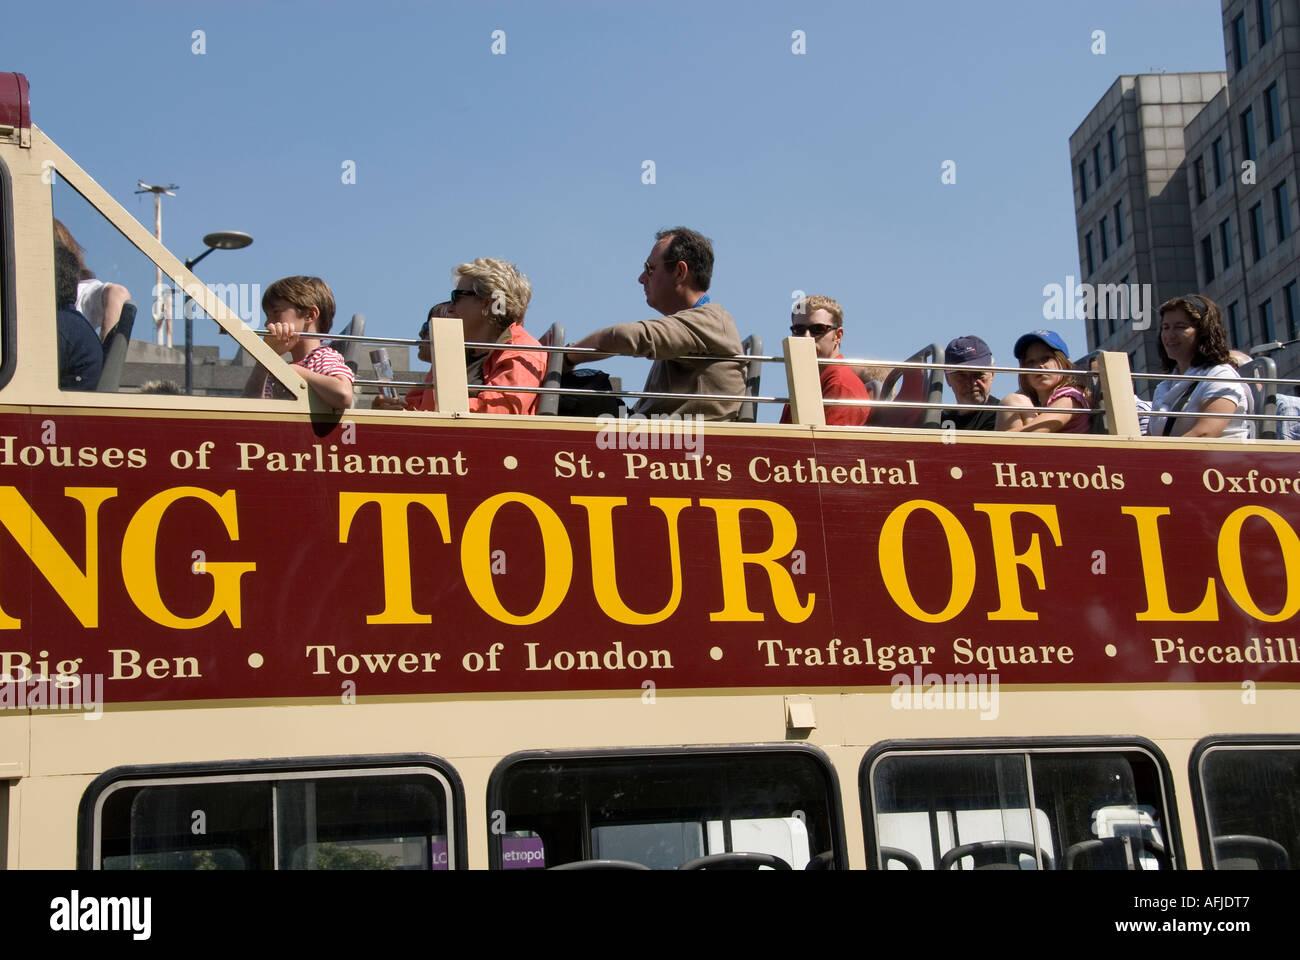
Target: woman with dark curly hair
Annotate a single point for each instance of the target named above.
(1194, 343)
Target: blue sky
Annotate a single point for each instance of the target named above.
(817, 172)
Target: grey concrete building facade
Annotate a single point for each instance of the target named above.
(1231, 234)
(1130, 196)
(1244, 222)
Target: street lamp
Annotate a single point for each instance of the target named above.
(221, 240)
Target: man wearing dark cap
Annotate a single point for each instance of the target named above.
(970, 386)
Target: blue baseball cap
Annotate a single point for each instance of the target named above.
(1049, 337)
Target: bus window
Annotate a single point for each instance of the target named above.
(357, 819)
(762, 807)
(1030, 809)
(1248, 799)
(122, 322)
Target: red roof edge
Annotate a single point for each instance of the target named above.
(15, 109)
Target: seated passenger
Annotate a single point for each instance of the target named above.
(823, 319)
(99, 302)
(298, 310)
(1288, 406)
(1045, 350)
(970, 386)
(81, 355)
(417, 398)
(1097, 399)
(676, 279)
(490, 297)
(1193, 342)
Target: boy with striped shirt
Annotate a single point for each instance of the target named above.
(296, 308)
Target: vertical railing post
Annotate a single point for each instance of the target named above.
(803, 381)
(1117, 388)
(447, 346)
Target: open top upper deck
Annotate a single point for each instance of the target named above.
(248, 549)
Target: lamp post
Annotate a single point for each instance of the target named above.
(221, 240)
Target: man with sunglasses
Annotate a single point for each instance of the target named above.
(970, 386)
(676, 279)
(823, 319)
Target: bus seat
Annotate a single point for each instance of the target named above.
(1241, 851)
(116, 345)
(908, 860)
(735, 861)
(993, 855)
(823, 861)
(753, 344)
(912, 385)
(598, 864)
(548, 404)
(1263, 395)
(349, 348)
(1114, 853)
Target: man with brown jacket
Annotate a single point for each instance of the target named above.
(676, 280)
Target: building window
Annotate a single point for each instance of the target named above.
(1257, 231)
(1219, 163)
(1083, 179)
(1087, 246)
(1110, 139)
(1207, 259)
(1272, 114)
(1096, 332)
(1096, 165)
(1233, 332)
(1119, 223)
(1282, 211)
(1266, 320)
(1248, 134)
(1105, 241)
(1239, 41)
(1198, 179)
(1264, 17)
(1292, 310)
(1225, 241)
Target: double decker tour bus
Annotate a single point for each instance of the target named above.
(243, 633)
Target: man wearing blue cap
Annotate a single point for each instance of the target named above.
(970, 386)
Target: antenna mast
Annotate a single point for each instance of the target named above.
(162, 303)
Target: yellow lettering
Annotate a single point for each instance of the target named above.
(733, 557)
(394, 545)
(78, 589)
(476, 559)
(1006, 560)
(139, 560)
(604, 575)
(1153, 570)
(960, 554)
(1234, 576)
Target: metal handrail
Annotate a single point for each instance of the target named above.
(575, 391)
(529, 348)
(1199, 377)
(838, 361)
(919, 365)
